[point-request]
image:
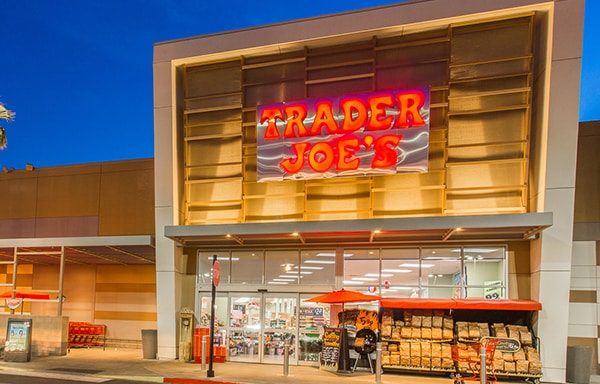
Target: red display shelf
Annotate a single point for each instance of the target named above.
(464, 304)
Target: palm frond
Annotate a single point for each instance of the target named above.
(6, 113)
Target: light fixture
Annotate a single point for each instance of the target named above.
(430, 275)
(319, 261)
(277, 279)
(228, 236)
(295, 234)
(364, 279)
(352, 282)
(393, 270)
(440, 275)
(377, 275)
(278, 282)
(289, 276)
(414, 265)
(300, 272)
(458, 229)
(309, 267)
(377, 231)
(326, 254)
(370, 252)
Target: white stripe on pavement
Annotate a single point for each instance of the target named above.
(57, 376)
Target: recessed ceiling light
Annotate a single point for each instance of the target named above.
(377, 231)
(309, 267)
(377, 275)
(277, 282)
(414, 265)
(228, 236)
(392, 270)
(352, 282)
(319, 261)
(295, 234)
(364, 279)
(326, 254)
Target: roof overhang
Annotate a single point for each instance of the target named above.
(123, 250)
(440, 229)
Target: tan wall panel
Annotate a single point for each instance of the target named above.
(20, 193)
(587, 190)
(127, 203)
(75, 195)
(130, 274)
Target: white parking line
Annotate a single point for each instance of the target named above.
(57, 376)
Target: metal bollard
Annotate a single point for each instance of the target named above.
(378, 362)
(482, 370)
(203, 360)
(286, 359)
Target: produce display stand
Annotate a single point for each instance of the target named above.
(511, 312)
(86, 335)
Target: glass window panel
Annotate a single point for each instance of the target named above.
(441, 292)
(484, 272)
(361, 275)
(246, 267)
(282, 267)
(476, 252)
(400, 253)
(221, 313)
(400, 272)
(245, 313)
(361, 254)
(321, 268)
(491, 292)
(441, 266)
(205, 266)
(400, 291)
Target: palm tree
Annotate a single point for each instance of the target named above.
(5, 114)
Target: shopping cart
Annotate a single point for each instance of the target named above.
(469, 361)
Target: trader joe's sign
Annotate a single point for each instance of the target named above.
(382, 132)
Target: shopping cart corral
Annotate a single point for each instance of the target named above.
(83, 334)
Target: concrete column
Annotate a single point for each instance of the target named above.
(551, 253)
(168, 276)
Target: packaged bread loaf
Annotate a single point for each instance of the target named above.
(446, 351)
(474, 331)
(535, 368)
(406, 333)
(385, 360)
(407, 316)
(437, 322)
(395, 335)
(522, 366)
(436, 350)
(532, 354)
(484, 329)
(519, 355)
(426, 322)
(415, 361)
(386, 331)
(405, 361)
(426, 333)
(426, 362)
(415, 333)
(393, 347)
(447, 334)
(415, 349)
(508, 356)
(526, 338)
(436, 363)
(448, 322)
(513, 332)
(385, 353)
(416, 321)
(463, 330)
(510, 367)
(498, 365)
(395, 360)
(436, 333)
(405, 349)
(399, 323)
(447, 363)
(463, 366)
(425, 349)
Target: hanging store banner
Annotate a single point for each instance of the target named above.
(383, 132)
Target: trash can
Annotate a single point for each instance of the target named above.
(579, 364)
(149, 343)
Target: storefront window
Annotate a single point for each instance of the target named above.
(441, 267)
(205, 260)
(362, 270)
(247, 267)
(317, 267)
(282, 267)
(484, 272)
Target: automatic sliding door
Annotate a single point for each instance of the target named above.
(244, 327)
(280, 327)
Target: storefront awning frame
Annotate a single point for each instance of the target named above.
(439, 229)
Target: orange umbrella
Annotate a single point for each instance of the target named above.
(343, 296)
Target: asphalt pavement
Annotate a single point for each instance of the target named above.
(49, 378)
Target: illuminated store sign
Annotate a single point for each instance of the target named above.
(383, 132)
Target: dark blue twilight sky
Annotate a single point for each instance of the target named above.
(79, 73)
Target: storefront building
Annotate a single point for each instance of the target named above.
(413, 150)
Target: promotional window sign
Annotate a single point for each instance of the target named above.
(384, 132)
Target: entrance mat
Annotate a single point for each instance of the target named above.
(77, 370)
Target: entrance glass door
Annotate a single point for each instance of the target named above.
(245, 327)
(313, 317)
(280, 327)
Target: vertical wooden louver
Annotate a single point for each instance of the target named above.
(480, 77)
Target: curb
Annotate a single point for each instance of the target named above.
(177, 380)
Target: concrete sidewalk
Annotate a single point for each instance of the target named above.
(128, 364)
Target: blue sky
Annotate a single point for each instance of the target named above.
(79, 73)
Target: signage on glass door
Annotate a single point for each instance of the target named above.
(383, 132)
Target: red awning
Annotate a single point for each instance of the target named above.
(25, 295)
(464, 304)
